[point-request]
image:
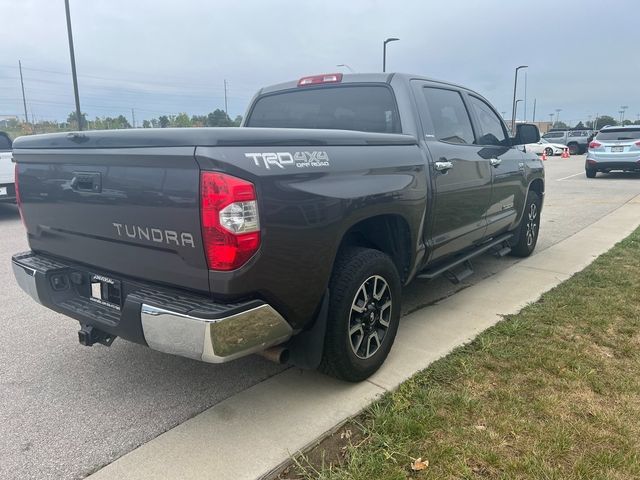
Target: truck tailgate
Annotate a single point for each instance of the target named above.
(130, 211)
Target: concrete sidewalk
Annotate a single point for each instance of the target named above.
(250, 434)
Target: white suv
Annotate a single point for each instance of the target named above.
(7, 187)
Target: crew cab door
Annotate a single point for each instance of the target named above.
(507, 167)
(461, 176)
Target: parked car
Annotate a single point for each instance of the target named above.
(546, 147)
(296, 236)
(7, 189)
(575, 140)
(614, 148)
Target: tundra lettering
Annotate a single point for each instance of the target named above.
(181, 239)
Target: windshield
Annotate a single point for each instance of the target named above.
(370, 108)
(619, 134)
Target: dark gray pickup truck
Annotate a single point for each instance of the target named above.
(292, 235)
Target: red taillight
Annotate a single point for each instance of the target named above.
(637, 144)
(595, 144)
(229, 216)
(18, 200)
(591, 162)
(317, 79)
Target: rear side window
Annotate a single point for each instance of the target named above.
(492, 132)
(5, 142)
(450, 118)
(365, 108)
(554, 135)
(619, 134)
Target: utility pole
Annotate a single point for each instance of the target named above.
(558, 110)
(623, 108)
(225, 99)
(24, 101)
(133, 118)
(73, 66)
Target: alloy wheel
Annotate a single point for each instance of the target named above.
(370, 316)
(532, 224)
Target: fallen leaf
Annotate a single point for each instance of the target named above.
(418, 464)
(346, 434)
(480, 427)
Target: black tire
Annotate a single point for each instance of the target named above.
(526, 237)
(590, 172)
(548, 152)
(574, 149)
(349, 352)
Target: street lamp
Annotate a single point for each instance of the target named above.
(558, 110)
(513, 108)
(623, 108)
(384, 52)
(345, 66)
(515, 111)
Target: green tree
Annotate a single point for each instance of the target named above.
(605, 120)
(627, 122)
(560, 124)
(237, 121)
(580, 125)
(218, 118)
(181, 120)
(72, 119)
(164, 121)
(146, 124)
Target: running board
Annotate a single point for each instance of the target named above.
(495, 244)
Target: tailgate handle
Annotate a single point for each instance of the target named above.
(87, 182)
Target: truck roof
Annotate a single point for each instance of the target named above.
(362, 78)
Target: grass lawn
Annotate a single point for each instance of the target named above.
(552, 392)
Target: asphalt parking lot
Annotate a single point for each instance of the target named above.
(67, 409)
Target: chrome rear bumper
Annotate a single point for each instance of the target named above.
(214, 341)
(169, 321)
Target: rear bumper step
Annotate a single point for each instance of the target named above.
(166, 320)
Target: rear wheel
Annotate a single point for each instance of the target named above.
(590, 172)
(364, 312)
(548, 151)
(527, 233)
(574, 149)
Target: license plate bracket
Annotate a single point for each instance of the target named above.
(106, 291)
(3, 191)
(617, 149)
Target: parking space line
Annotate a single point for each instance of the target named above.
(574, 175)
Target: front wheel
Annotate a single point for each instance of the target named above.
(364, 313)
(527, 233)
(548, 152)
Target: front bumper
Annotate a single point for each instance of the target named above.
(166, 320)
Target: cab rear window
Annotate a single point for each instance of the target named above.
(619, 134)
(370, 108)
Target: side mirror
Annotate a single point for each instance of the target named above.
(526, 133)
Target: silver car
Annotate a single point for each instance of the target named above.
(614, 148)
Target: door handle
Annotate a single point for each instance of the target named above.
(495, 162)
(443, 166)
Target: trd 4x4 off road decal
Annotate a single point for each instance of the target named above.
(282, 160)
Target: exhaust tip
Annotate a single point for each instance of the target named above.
(276, 354)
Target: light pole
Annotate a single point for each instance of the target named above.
(558, 110)
(384, 52)
(623, 108)
(515, 111)
(345, 66)
(513, 107)
(73, 66)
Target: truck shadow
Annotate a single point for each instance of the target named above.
(8, 212)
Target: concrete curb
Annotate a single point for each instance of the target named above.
(248, 435)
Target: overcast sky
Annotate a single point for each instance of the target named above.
(165, 57)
